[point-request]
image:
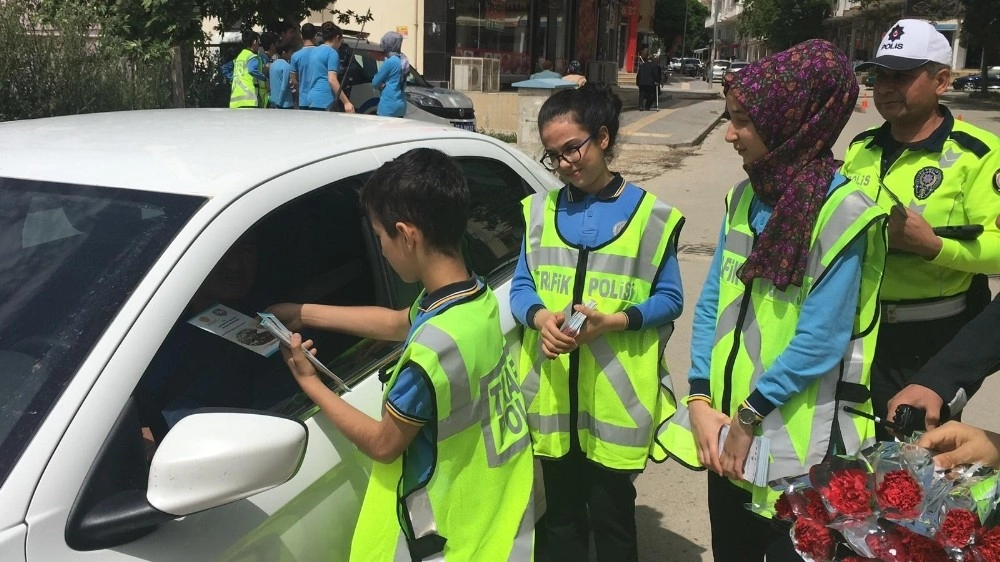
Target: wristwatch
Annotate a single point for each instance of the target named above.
(748, 417)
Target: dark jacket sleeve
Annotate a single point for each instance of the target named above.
(971, 356)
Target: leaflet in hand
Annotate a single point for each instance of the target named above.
(755, 467)
(236, 327)
(271, 323)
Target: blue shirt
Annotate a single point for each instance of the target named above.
(322, 60)
(300, 68)
(281, 93)
(410, 397)
(821, 336)
(392, 100)
(255, 67)
(589, 221)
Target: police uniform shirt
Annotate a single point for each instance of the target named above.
(950, 178)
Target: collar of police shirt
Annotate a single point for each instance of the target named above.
(609, 192)
(892, 148)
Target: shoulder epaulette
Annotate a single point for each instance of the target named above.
(970, 143)
(865, 135)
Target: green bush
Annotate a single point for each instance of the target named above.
(64, 66)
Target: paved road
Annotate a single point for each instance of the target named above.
(672, 515)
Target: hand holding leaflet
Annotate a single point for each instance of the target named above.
(271, 323)
(573, 326)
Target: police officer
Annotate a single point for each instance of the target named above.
(247, 74)
(931, 171)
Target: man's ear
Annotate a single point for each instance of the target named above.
(943, 81)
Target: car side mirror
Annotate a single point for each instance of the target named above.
(214, 458)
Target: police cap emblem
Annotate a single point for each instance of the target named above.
(926, 181)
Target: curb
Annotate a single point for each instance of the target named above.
(697, 140)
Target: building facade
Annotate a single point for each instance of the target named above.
(527, 36)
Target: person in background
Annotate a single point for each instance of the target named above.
(574, 73)
(647, 77)
(391, 76)
(247, 76)
(281, 94)
(453, 475)
(786, 322)
(597, 397)
(299, 71)
(325, 90)
(943, 172)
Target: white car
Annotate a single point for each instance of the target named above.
(117, 232)
(719, 69)
(737, 65)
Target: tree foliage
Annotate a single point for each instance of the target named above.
(175, 22)
(783, 23)
(668, 24)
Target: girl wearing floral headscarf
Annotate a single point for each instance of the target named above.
(391, 76)
(784, 327)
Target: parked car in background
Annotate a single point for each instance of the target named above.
(719, 69)
(426, 102)
(691, 67)
(674, 65)
(870, 80)
(117, 259)
(972, 82)
(737, 65)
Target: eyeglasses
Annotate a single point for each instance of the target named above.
(571, 155)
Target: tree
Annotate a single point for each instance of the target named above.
(979, 25)
(175, 22)
(783, 23)
(669, 24)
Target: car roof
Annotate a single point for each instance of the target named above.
(205, 152)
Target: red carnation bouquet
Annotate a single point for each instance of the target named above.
(890, 504)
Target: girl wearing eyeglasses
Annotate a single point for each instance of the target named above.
(596, 396)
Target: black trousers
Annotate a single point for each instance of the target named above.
(583, 497)
(738, 535)
(646, 96)
(903, 348)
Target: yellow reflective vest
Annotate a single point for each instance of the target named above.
(753, 327)
(244, 88)
(957, 184)
(477, 502)
(623, 389)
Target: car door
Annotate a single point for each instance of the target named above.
(312, 515)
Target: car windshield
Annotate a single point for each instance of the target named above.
(69, 258)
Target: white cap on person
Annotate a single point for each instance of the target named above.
(908, 44)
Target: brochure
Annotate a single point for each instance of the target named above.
(236, 327)
(271, 323)
(755, 467)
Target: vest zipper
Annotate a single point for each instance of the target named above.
(579, 282)
(727, 385)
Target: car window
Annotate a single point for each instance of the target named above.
(367, 62)
(70, 256)
(312, 249)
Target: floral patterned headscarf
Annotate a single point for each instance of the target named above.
(799, 100)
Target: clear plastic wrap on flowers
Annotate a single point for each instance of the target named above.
(890, 504)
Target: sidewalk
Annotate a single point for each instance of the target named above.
(689, 109)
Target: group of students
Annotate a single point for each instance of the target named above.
(277, 71)
(817, 279)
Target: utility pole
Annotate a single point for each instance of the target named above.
(715, 40)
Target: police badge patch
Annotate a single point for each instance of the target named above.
(926, 181)
(996, 181)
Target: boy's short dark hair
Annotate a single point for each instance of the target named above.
(423, 187)
(308, 31)
(268, 39)
(248, 39)
(329, 31)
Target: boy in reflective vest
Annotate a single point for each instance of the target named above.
(453, 473)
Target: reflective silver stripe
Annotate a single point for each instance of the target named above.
(752, 343)
(402, 553)
(421, 513)
(616, 435)
(608, 362)
(853, 364)
(549, 423)
(597, 262)
(728, 319)
(243, 95)
(513, 418)
(524, 541)
(847, 212)
(559, 257)
(784, 457)
(739, 243)
(944, 308)
(535, 226)
(463, 411)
